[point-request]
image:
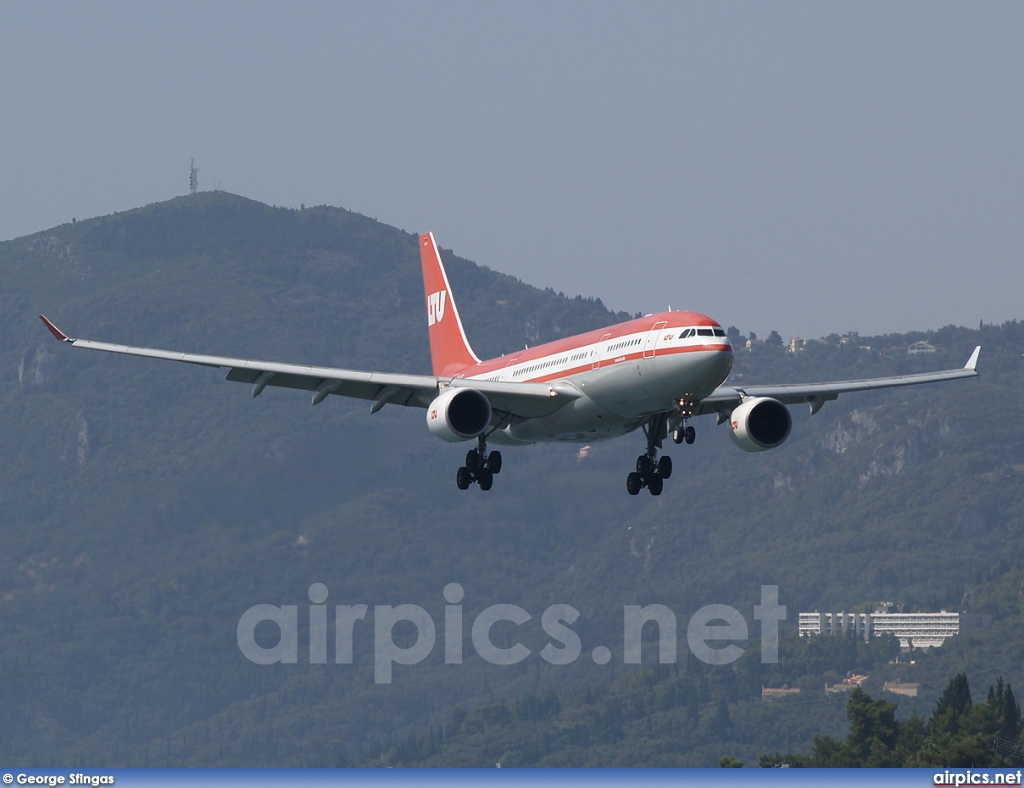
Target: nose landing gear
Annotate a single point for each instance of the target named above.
(681, 433)
(684, 432)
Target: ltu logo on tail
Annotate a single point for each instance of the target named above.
(435, 307)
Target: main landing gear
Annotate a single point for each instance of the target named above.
(651, 472)
(480, 467)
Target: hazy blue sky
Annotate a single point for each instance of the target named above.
(805, 167)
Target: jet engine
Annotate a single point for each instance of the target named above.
(760, 423)
(459, 414)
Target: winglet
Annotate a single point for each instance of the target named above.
(972, 362)
(55, 331)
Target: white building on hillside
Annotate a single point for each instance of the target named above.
(920, 630)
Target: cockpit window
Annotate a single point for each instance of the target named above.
(719, 332)
(705, 332)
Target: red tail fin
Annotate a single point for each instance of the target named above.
(449, 349)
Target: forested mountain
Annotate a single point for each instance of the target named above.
(689, 714)
(145, 506)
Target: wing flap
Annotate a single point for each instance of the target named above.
(383, 388)
(525, 400)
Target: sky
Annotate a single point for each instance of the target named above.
(805, 167)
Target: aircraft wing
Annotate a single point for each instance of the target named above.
(527, 400)
(725, 398)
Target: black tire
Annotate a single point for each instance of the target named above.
(485, 479)
(654, 484)
(665, 466)
(494, 462)
(690, 434)
(677, 435)
(643, 466)
(463, 478)
(633, 483)
(473, 461)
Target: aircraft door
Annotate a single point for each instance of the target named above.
(599, 354)
(653, 337)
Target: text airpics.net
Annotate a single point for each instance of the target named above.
(711, 633)
(975, 777)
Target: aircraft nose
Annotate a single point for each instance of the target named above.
(723, 358)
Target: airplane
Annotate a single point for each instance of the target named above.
(654, 373)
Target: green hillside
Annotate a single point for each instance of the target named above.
(145, 506)
(691, 714)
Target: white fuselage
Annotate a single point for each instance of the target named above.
(625, 375)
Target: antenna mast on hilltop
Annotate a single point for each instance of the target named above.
(193, 178)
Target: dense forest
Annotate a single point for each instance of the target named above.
(145, 506)
(959, 733)
(690, 714)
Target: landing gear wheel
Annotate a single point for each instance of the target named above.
(680, 434)
(480, 466)
(651, 472)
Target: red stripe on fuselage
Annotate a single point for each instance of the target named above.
(672, 321)
(608, 363)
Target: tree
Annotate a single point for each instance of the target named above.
(874, 730)
(1010, 715)
(954, 702)
(1004, 710)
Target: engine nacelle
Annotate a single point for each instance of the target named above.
(459, 415)
(760, 423)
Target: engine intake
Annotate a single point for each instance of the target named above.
(759, 424)
(459, 414)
